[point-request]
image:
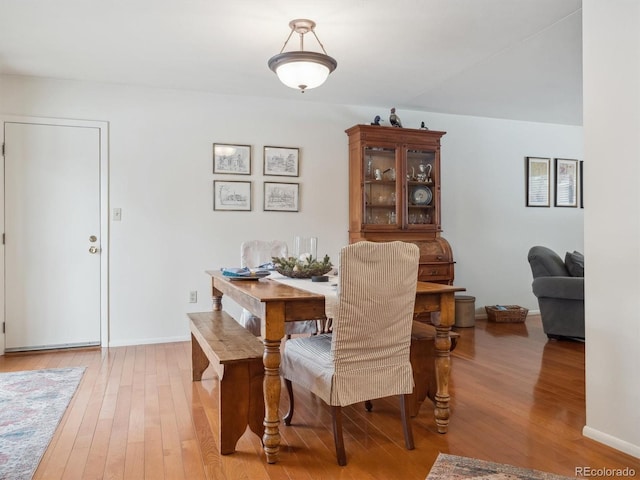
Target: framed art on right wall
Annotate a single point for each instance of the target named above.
(538, 170)
(566, 183)
(581, 183)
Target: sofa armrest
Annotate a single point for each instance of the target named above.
(570, 288)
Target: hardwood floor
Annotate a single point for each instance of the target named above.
(516, 398)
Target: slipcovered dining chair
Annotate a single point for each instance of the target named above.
(254, 253)
(367, 354)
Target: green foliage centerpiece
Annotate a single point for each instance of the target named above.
(304, 267)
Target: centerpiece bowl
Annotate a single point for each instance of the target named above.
(303, 267)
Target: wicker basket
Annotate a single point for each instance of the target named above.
(506, 314)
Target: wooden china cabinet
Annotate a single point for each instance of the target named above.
(394, 193)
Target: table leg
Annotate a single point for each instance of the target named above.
(216, 299)
(272, 328)
(443, 368)
(271, 388)
(443, 321)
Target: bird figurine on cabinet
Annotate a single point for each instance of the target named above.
(423, 126)
(394, 119)
(376, 120)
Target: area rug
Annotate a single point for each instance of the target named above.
(452, 467)
(31, 406)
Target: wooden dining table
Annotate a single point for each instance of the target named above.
(276, 303)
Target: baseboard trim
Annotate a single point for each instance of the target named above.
(611, 441)
(148, 341)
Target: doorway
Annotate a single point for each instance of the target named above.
(56, 232)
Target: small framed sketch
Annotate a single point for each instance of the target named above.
(235, 159)
(281, 197)
(231, 195)
(281, 161)
(538, 170)
(566, 183)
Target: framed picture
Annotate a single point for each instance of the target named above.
(581, 183)
(231, 195)
(538, 170)
(281, 161)
(235, 159)
(566, 183)
(281, 197)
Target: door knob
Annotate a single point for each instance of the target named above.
(93, 249)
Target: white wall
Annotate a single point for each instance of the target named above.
(161, 177)
(612, 226)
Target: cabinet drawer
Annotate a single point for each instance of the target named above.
(429, 272)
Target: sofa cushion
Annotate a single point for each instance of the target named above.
(574, 261)
(561, 288)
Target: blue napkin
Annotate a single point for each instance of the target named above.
(244, 272)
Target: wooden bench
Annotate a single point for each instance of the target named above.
(422, 356)
(236, 356)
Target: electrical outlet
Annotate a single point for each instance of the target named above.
(193, 296)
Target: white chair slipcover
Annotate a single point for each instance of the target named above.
(254, 253)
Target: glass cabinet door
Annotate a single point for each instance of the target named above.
(379, 187)
(421, 187)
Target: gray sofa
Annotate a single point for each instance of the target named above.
(559, 287)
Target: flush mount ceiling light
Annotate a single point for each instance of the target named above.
(300, 69)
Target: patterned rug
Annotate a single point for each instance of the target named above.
(451, 467)
(31, 406)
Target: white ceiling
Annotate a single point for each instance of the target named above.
(514, 59)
